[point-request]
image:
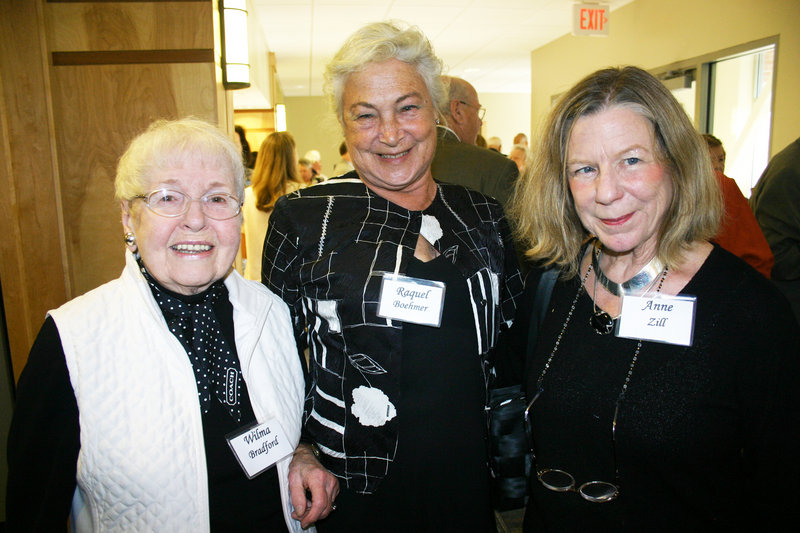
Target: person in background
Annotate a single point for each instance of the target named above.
(519, 155)
(316, 165)
(397, 390)
(275, 174)
(463, 111)
(305, 169)
(457, 160)
(131, 390)
(739, 231)
(249, 161)
(664, 367)
(495, 144)
(716, 151)
(776, 205)
(521, 139)
(344, 165)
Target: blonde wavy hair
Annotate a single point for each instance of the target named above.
(546, 221)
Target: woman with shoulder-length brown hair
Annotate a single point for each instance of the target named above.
(544, 204)
(274, 175)
(664, 379)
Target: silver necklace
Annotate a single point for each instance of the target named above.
(564, 329)
(638, 283)
(602, 322)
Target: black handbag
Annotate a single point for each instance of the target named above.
(509, 453)
(509, 459)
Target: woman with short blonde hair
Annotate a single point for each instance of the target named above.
(388, 384)
(131, 391)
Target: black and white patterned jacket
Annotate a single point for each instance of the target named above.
(325, 253)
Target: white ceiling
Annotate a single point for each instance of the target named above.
(487, 42)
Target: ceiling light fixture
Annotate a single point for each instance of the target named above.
(280, 117)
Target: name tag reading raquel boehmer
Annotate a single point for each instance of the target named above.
(259, 446)
(415, 300)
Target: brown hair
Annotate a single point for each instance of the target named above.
(711, 141)
(275, 170)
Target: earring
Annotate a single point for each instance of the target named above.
(130, 239)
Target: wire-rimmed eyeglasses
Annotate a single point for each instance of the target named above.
(562, 481)
(480, 109)
(171, 203)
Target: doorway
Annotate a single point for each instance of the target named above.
(740, 111)
(728, 94)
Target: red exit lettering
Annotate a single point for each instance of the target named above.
(593, 19)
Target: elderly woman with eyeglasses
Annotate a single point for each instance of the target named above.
(170, 398)
(664, 382)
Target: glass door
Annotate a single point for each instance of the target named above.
(740, 112)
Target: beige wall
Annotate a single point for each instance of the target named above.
(654, 33)
(314, 127)
(506, 115)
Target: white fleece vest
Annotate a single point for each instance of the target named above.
(141, 465)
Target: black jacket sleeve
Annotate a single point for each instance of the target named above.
(43, 441)
(511, 352)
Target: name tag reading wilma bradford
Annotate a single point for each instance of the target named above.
(668, 319)
(411, 300)
(259, 447)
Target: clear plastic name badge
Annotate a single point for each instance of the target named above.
(411, 300)
(668, 319)
(260, 446)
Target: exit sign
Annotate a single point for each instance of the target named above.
(590, 19)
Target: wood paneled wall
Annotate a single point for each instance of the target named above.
(79, 81)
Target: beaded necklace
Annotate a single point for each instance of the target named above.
(564, 329)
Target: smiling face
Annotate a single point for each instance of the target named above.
(621, 190)
(390, 128)
(186, 254)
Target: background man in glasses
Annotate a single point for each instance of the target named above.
(464, 112)
(457, 159)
